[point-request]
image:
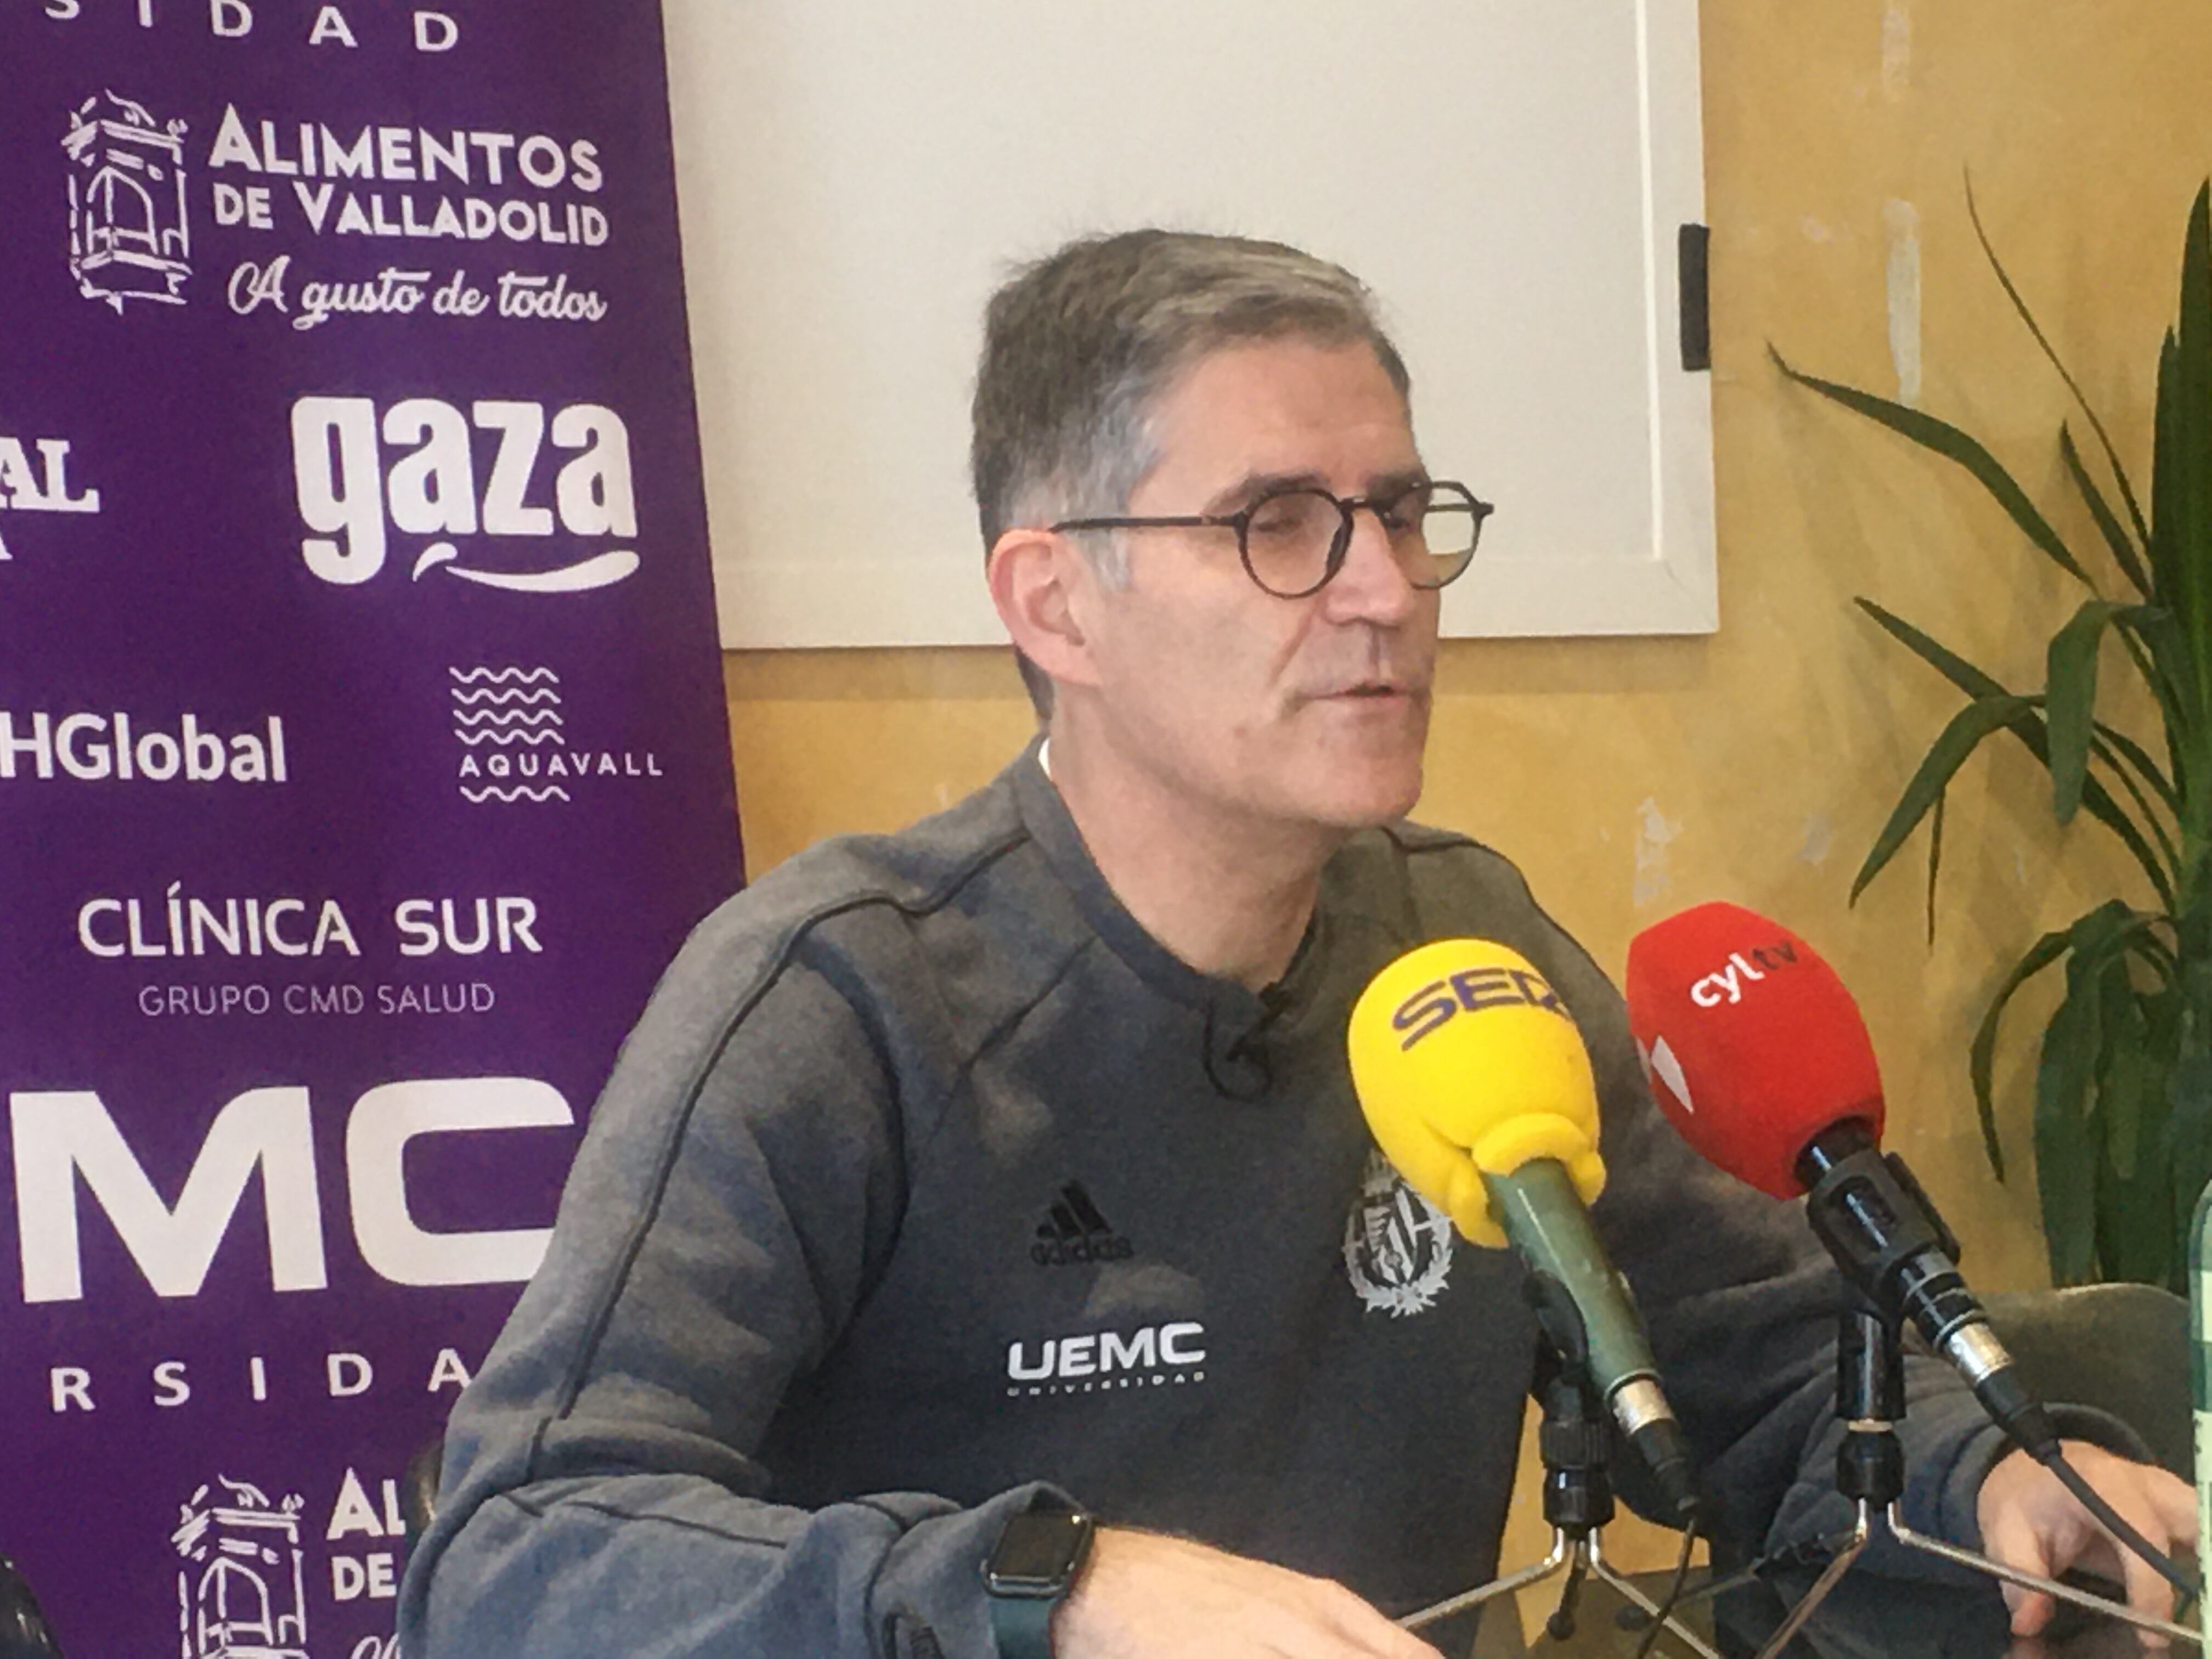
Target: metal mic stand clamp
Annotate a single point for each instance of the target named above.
(1870, 1473)
(1575, 1440)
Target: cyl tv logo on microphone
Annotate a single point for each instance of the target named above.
(1728, 985)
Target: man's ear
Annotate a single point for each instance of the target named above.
(1039, 584)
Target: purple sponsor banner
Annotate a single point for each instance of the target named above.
(362, 755)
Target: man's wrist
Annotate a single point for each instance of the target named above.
(1030, 1571)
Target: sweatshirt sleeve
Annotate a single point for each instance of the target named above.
(740, 1183)
(1741, 1303)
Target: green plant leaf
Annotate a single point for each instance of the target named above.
(2065, 1156)
(1957, 740)
(2103, 939)
(1935, 861)
(2071, 690)
(1947, 662)
(2096, 800)
(2181, 482)
(2145, 767)
(2136, 1238)
(2119, 1100)
(2130, 1196)
(1976, 683)
(2161, 652)
(2188, 1137)
(1948, 441)
(2125, 553)
(1982, 1057)
(2167, 579)
(2169, 855)
(2123, 1107)
(2019, 304)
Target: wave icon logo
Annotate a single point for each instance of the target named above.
(498, 712)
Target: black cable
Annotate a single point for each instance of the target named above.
(1674, 1590)
(1806, 1552)
(2054, 1458)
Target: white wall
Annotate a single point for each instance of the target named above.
(856, 176)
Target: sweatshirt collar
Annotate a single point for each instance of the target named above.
(1237, 1017)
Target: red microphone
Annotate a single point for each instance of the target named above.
(1759, 1056)
(1753, 1045)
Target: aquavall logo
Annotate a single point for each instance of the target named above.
(1075, 1232)
(512, 729)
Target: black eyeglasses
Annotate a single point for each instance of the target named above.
(1292, 541)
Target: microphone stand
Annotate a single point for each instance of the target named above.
(1575, 1440)
(1870, 1472)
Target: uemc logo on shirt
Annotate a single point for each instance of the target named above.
(1094, 1362)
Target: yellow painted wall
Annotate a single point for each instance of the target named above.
(1633, 777)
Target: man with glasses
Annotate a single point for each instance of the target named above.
(978, 1249)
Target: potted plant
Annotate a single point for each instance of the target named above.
(2124, 1085)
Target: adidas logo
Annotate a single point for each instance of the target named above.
(1074, 1231)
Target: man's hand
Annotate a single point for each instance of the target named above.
(2031, 1521)
(1143, 1595)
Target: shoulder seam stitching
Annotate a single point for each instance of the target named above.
(572, 1388)
(612, 1513)
(999, 1032)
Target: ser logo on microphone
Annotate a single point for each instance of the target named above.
(1728, 985)
(1435, 1004)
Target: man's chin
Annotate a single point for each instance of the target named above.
(1350, 801)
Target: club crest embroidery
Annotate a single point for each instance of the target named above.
(1397, 1245)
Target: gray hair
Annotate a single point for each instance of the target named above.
(1079, 347)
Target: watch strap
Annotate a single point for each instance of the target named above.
(1022, 1625)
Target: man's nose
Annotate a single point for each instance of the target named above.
(1371, 584)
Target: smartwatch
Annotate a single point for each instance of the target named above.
(1030, 1571)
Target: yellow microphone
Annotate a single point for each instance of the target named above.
(1476, 1084)
(1451, 1099)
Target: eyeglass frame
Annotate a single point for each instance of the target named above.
(1340, 544)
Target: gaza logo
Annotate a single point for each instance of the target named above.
(477, 492)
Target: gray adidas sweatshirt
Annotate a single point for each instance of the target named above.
(929, 1177)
